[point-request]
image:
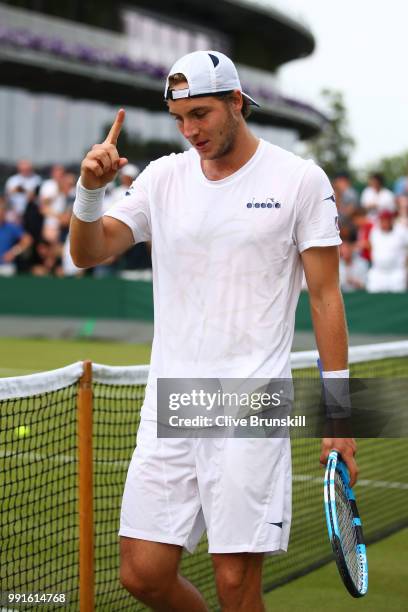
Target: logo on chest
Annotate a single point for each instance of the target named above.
(266, 203)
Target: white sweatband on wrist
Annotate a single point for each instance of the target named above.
(337, 374)
(337, 394)
(88, 205)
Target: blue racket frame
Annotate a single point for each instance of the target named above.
(335, 463)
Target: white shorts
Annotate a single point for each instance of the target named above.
(238, 490)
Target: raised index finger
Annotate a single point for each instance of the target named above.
(112, 137)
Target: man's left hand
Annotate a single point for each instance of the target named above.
(348, 448)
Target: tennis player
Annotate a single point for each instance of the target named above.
(233, 222)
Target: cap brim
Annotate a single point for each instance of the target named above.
(251, 100)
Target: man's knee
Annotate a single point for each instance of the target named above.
(230, 582)
(238, 577)
(147, 577)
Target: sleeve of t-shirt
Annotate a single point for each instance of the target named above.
(316, 214)
(10, 184)
(133, 208)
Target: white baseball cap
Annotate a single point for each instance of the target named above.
(130, 170)
(208, 73)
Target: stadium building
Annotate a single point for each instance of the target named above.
(66, 67)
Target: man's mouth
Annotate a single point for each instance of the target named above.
(201, 144)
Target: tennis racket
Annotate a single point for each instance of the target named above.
(344, 526)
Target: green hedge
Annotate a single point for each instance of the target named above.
(114, 298)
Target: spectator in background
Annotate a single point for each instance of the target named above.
(363, 224)
(69, 192)
(127, 175)
(45, 261)
(389, 252)
(68, 266)
(53, 203)
(13, 242)
(376, 197)
(353, 268)
(21, 188)
(346, 196)
(401, 197)
(347, 201)
(401, 186)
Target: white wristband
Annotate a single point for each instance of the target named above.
(337, 374)
(88, 205)
(337, 394)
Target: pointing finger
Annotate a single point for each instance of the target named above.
(112, 137)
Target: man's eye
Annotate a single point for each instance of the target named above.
(200, 115)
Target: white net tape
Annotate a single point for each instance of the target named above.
(42, 382)
(33, 384)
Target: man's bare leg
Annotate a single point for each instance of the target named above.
(238, 577)
(149, 571)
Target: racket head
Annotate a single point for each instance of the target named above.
(344, 526)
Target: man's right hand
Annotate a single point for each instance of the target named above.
(102, 162)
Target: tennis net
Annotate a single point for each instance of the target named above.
(39, 518)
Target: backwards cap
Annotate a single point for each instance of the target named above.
(208, 73)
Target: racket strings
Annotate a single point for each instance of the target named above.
(348, 536)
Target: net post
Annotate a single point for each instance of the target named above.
(85, 477)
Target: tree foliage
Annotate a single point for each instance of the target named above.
(332, 147)
(391, 167)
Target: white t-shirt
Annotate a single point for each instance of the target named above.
(226, 259)
(27, 184)
(353, 273)
(389, 250)
(383, 199)
(57, 201)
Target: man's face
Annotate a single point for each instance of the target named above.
(341, 183)
(386, 223)
(57, 172)
(375, 183)
(24, 167)
(208, 123)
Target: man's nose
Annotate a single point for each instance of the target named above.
(190, 129)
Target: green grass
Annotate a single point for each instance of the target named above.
(24, 356)
(40, 491)
(323, 590)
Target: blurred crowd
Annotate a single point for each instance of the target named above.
(374, 231)
(35, 212)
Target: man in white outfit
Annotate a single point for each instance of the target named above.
(233, 223)
(389, 253)
(376, 197)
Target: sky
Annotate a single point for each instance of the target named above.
(361, 46)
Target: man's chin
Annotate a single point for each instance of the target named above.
(209, 154)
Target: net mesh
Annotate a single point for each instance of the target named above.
(38, 489)
(38, 483)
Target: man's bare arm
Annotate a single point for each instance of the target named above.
(321, 266)
(93, 242)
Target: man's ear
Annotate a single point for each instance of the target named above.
(237, 100)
